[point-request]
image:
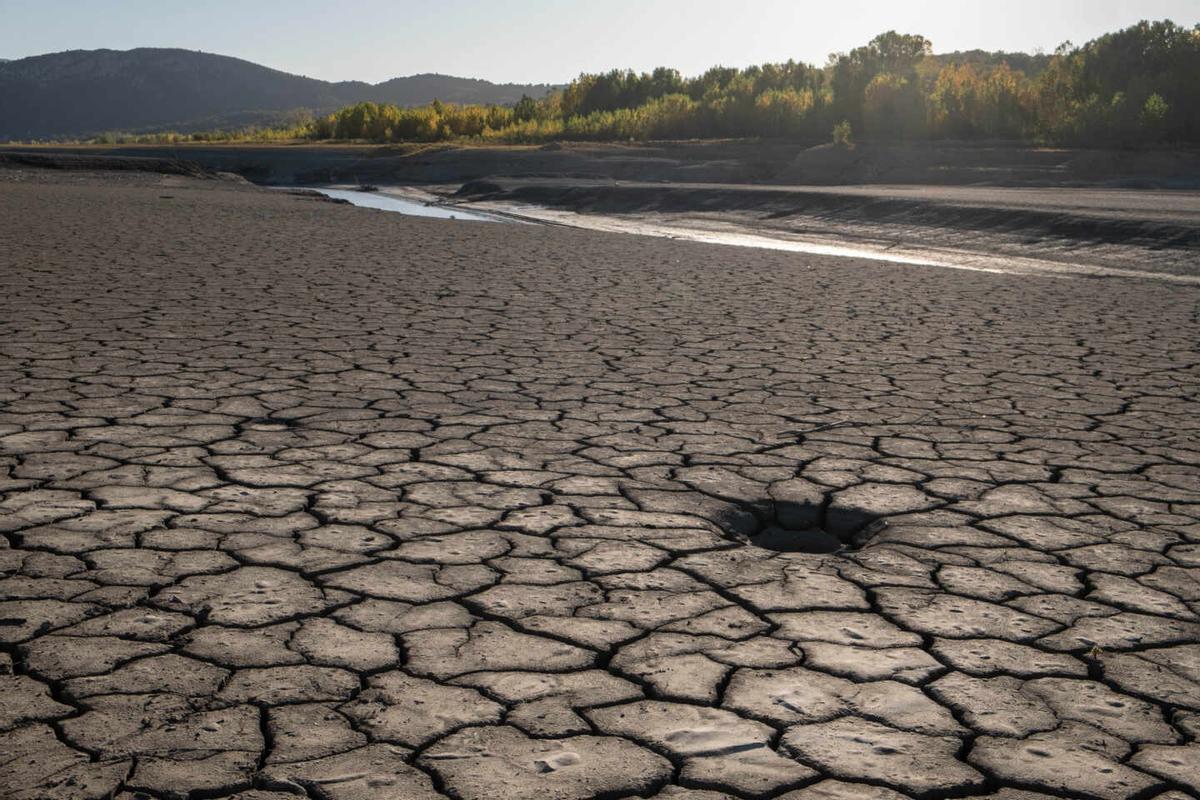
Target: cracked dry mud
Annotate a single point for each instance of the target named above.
(300, 499)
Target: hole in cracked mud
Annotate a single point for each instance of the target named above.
(802, 527)
(268, 424)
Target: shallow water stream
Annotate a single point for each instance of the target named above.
(412, 207)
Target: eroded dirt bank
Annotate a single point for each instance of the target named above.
(736, 161)
(300, 499)
(1096, 229)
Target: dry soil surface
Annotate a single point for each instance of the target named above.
(303, 499)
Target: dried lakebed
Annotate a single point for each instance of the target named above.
(299, 500)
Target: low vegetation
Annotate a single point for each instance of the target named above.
(1138, 86)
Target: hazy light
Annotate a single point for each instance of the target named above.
(544, 41)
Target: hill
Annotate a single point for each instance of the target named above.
(80, 92)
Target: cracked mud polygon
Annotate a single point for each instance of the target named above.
(301, 500)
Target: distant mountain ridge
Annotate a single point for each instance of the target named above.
(81, 92)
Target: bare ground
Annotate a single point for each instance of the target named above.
(303, 499)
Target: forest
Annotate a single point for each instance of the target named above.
(1136, 87)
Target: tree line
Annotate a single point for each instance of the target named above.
(1137, 86)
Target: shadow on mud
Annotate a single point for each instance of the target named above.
(802, 527)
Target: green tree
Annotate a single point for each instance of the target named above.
(891, 53)
(843, 135)
(525, 109)
(1154, 117)
(891, 107)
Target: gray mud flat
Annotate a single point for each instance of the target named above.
(301, 499)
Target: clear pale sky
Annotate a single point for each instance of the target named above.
(538, 41)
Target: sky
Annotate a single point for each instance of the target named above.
(538, 41)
